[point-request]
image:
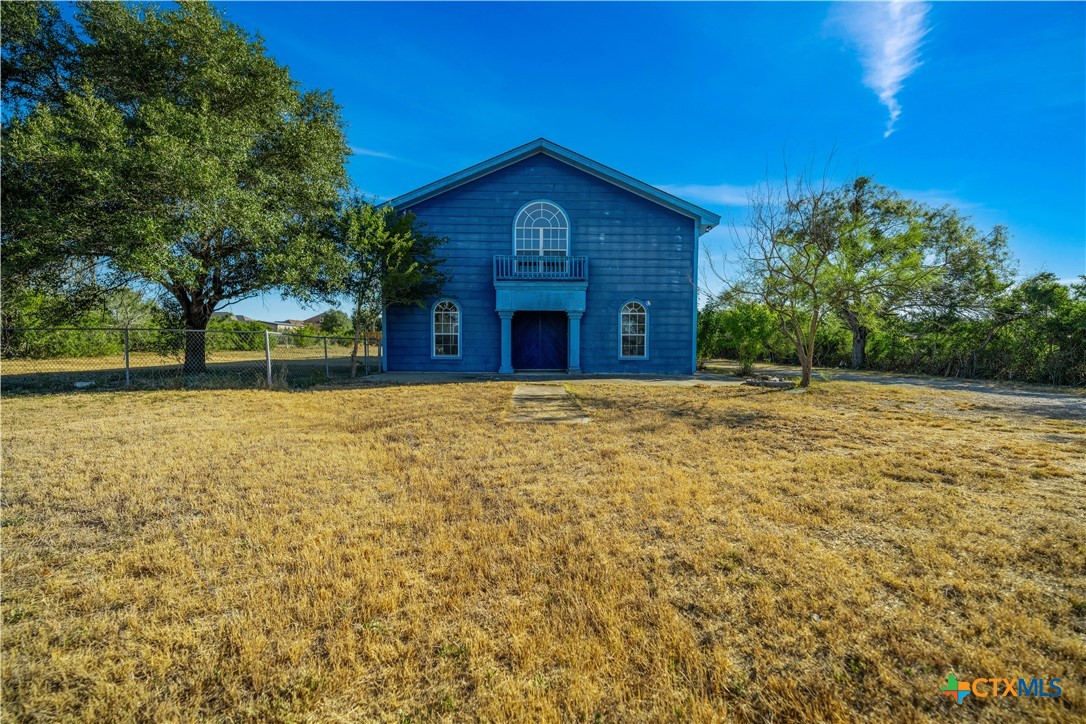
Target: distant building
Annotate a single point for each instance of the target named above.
(287, 325)
(227, 316)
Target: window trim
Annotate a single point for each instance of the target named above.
(621, 311)
(565, 217)
(459, 331)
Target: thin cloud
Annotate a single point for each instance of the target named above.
(940, 197)
(723, 194)
(887, 37)
(359, 151)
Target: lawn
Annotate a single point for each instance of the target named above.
(399, 553)
(291, 366)
(256, 357)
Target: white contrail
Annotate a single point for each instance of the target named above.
(887, 37)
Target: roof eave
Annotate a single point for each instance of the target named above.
(706, 219)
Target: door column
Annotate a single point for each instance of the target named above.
(507, 342)
(575, 341)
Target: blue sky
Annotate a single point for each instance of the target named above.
(980, 105)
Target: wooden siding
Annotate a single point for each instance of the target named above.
(636, 249)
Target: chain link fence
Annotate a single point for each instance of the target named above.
(36, 360)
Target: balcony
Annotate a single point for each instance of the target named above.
(540, 268)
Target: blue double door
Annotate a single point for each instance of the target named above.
(540, 341)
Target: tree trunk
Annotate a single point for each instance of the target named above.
(807, 359)
(859, 348)
(859, 340)
(195, 349)
(196, 319)
(805, 355)
(357, 337)
(354, 350)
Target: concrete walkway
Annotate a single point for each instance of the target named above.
(545, 403)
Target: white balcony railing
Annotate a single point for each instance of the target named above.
(532, 267)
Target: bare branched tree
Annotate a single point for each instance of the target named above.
(784, 252)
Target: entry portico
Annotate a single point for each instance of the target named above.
(523, 285)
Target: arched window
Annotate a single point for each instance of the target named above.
(633, 331)
(541, 229)
(446, 329)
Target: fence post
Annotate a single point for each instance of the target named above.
(267, 355)
(127, 367)
(327, 372)
(366, 351)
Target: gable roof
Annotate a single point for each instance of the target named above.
(706, 219)
(231, 315)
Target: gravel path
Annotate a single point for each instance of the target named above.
(1060, 403)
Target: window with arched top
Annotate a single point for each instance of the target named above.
(633, 329)
(446, 329)
(541, 229)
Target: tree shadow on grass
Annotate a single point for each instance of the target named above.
(698, 414)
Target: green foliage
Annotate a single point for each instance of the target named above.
(179, 153)
(52, 343)
(233, 334)
(745, 331)
(878, 261)
(835, 265)
(1032, 332)
(304, 337)
(34, 309)
(974, 268)
(833, 343)
(39, 53)
(335, 323)
(63, 343)
(128, 308)
(374, 256)
(793, 232)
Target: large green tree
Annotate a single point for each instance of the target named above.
(896, 255)
(173, 150)
(878, 264)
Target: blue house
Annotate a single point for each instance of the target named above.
(555, 262)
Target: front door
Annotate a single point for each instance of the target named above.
(540, 341)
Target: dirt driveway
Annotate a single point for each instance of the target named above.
(1059, 402)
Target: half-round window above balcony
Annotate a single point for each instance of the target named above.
(541, 229)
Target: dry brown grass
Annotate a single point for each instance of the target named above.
(397, 553)
(281, 353)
